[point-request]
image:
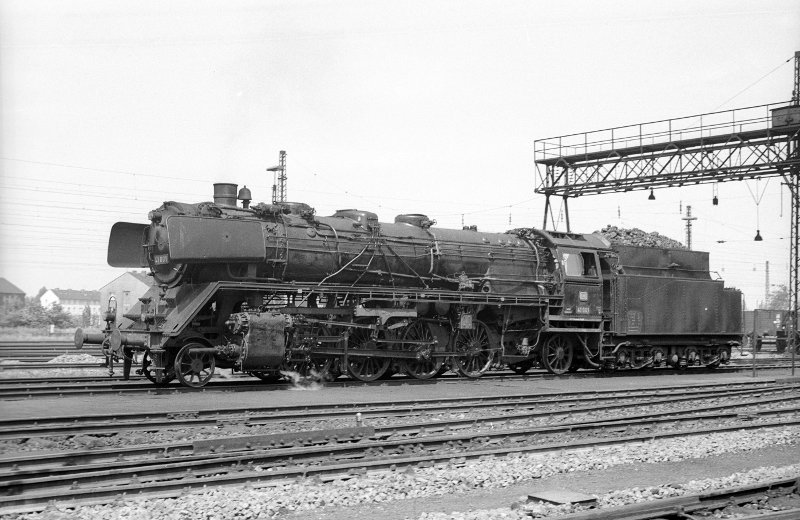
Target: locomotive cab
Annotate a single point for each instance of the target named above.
(578, 268)
(574, 325)
(582, 289)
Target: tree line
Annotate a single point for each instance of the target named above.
(32, 314)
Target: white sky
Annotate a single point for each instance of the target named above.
(109, 108)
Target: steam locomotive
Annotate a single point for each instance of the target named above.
(274, 288)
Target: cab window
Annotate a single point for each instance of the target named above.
(573, 264)
(580, 264)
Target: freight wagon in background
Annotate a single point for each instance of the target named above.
(768, 327)
(274, 288)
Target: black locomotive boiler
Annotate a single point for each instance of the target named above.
(274, 288)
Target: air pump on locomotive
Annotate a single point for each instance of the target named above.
(274, 288)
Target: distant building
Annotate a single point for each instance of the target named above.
(71, 300)
(11, 296)
(127, 288)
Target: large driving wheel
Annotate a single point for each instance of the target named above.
(194, 365)
(425, 366)
(557, 354)
(365, 368)
(475, 348)
(149, 373)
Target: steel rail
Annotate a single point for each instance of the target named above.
(46, 388)
(11, 428)
(34, 461)
(684, 506)
(288, 463)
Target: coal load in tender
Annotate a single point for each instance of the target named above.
(637, 237)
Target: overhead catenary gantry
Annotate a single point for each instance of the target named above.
(747, 143)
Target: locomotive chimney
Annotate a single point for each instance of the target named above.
(225, 194)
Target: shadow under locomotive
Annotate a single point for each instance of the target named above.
(274, 288)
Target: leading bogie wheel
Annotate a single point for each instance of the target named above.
(557, 354)
(306, 364)
(149, 373)
(476, 350)
(425, 366)
(194, 365)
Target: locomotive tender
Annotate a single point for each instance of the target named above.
(274, 288)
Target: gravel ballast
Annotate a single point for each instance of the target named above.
(309, 497)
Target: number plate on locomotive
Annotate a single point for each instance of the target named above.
(160, 259)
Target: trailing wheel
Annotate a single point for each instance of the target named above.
(476, 350)
(149, 373)
(194, 365)
(365, 368)
(557, 354)
(425, 366)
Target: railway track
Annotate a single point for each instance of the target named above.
(40, 351)
(703, 504)
(110, 422)
(71, 385)
(390, 436)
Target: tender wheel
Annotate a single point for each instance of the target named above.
(692, 357)
(476, 350)
(147, 362)
(426, 365)
(521, 367)
(557, 354)
(365, 368)
(194, 368)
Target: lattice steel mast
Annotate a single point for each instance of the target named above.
(689, 218)
(279, 179)
(792, 179)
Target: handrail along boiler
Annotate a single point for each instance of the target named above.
(271, 288)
